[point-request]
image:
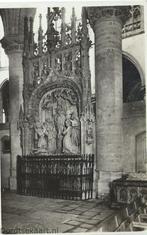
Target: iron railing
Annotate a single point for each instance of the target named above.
(56, 176)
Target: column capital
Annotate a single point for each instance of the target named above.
(98, 13)
(11, 45)
(13, 22)
(13, 19)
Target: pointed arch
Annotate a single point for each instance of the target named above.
(133, 79)
(134, 61)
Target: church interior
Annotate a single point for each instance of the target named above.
(73, 119)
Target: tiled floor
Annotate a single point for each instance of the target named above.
(26, 214)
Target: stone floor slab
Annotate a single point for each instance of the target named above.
(87, 226)
(73, 222)
(24, 212)
(78, 230)
(90, 213)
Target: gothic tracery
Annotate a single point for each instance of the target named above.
(58, 56)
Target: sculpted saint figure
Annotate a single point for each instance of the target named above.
(60, 121)
(51, 135)
(68, 146)
(75, 137)
(41, 132)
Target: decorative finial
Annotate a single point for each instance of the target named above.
(31, 30)
(40, 21)
(73, 26)
(63, 26)
(63, 15)
(40, 35)
(25, 25)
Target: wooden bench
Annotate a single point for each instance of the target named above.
(130, 217)
(136, 217)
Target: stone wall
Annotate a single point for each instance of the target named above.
(133, 124)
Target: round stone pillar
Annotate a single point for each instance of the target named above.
(1, 107)
(16, 99)
(13, 21)
(107, 25)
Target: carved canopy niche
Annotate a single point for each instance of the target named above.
(57, 88)
(32, 109)
(51, 106)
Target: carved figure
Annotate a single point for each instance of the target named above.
(68, 145)
(89, 132)
(51, 135)
(75, 130)
(41, 132)
(123, 195)
(60, 120)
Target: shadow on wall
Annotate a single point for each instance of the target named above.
(5, 162)
(133, 89)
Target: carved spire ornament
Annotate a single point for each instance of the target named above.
(63, 26)
(40, 35)
(73, 26)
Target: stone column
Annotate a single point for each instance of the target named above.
(16, 99)
(1, 107)
(107, 25)
(13, 21)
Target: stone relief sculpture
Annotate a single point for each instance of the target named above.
(58, 128)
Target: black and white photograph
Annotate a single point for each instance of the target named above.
(73, 116)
